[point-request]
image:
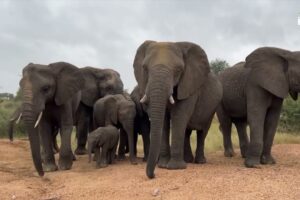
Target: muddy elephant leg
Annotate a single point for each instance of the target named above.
(271, 122)
(123, 141)
(258, 101)
(243, 137)
(225, 128)
(45, 131)
(82, 127)
(201, 135)
(164, 155)
(188, 154)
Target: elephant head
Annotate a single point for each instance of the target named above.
(276, 70)
(166, 71)
(100, 82)
(56, 83)
(94, 140)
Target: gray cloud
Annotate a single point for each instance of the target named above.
(107, 33)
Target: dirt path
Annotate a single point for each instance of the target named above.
(220, 178)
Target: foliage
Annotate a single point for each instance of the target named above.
(6, 96)
(218, 65)
(290, 116)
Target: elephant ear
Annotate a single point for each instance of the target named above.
(69, 81)
(196, 69)
(268, 69)
(111, 110)
(136, 99)
(90, 93)
(139, 72)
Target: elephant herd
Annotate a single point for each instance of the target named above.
(176, 93)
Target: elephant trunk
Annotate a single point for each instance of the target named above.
(90, 149)
(158, 92)
(29, 117)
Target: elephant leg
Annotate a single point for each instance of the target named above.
(258, 101)
(164, 155)
(113, 154)
(65, 155)
(225, 128)
(188, 154)
(128, 127)
(45, 131)
(243, 137)
(97, 156)
(271, 122)
(201, 135)
(82, 129)
(123, 141)
(145, 129)
(55, 145)
(180, 115)
(103, 157)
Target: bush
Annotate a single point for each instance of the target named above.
(290, 116)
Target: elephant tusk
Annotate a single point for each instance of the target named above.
(19, 118)
(38, 119)
(171, 99)
(144, 99)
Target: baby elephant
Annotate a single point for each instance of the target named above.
(104, 139)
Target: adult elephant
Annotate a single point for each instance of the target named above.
(256, 95)
(170, 77)
(98, 83)
(51, 94)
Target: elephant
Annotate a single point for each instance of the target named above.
(170, 77)
(105, 139)
(16, 117)
(253, 94)
(141, 122)
(51, 95)
(118, 110)
(209, 99)
(98, 83)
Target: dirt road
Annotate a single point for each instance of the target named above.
(220, 178)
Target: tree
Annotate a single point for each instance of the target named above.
(18, 96)
(218, 65)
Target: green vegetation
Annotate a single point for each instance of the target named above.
(290, 116)
(218, 65)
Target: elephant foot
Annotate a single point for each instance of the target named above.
(229, 152)
(65, 162)
(163, 161)
(200, 160)
(267, 160)
(189, 158)
(121, 157)
(50, 167)
(252, 162)
(176, 164)
(81, 151)
(133, 160)
(101, 165)
(243, 151)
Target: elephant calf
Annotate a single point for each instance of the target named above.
(104, 139)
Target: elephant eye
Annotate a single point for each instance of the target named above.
(45, 89)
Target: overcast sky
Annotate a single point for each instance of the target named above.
(106, 34)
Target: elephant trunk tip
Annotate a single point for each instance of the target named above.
(150, 173)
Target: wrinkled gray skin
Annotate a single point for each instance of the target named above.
(15, 118)
(117, 110)
(162, 70)
(207, 103)
(99, 82)
(104, 139)
(253, 93)
(53, 89)
(141, 123)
